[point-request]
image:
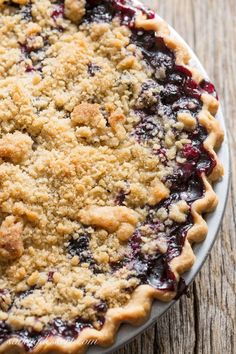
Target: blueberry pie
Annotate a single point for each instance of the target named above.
(107, 158)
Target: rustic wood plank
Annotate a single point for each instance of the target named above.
(205, 323)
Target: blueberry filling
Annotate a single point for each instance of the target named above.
(58, 328)
(209, 88)
(26, 12)
(80, 247)
(154, 50)
(121, 197)
(155, 270)
(50, 276)
(14, 5)
(24, 294)
(98, 11)
(93, 69)
(101, 307)
(148, 127)
(185, 184)
(58, 11)
(105, 11)
(36, 55)
(170, 91)
(182, 289)
(125, 11)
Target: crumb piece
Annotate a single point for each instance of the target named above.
(20, 273)
(138, 194)
(113, 219)
(33, 28)
(21, 210)
(159, 244)
(169, 139)
(162, 214)
(162, 244)
(15, 147)
(11, 244)
(74, 10)
(178, 211)
(116, 121)
(33, 279)
(188, 121)
(84, 132)
(5, 300)
(101, 257)
(3, 316)
(16, 322)
(56, 277)
(158, 192)
(74, 261)
(88, 114)
(129, 63)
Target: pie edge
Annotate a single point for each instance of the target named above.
(138, 308)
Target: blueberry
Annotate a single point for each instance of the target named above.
(209, 88)
(80, 247)
(101, 306)
(148, 127)
(98, 11)
(187, 104)
(93, 69)
(141, 270)
(190, 152)
(145, 39)
(120, 198)
(26, 12)
(170, 94)
(58, 11)
(5, 331)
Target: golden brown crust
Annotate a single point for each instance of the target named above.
(11, 244)
(158, 192)
(138, 308)
(117, 219)
(74, 10)
(15, 147)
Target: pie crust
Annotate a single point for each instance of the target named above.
(137, 310)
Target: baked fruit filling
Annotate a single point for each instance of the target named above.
(102, 156)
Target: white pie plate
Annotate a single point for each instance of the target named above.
(126, 332)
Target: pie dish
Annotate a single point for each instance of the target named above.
(107, 149)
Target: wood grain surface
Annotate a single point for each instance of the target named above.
(205, 323)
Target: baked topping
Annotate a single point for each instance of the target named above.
(117, 219)
(87, 114)
(102, 156)
(74, 10)
(15, 147)
(11, 245)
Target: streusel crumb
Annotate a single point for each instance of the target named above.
(11, 245)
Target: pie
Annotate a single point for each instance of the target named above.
(107, 158)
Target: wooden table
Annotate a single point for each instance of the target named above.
(205, 323)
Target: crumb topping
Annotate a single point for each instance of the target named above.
(117, 219)
(91, 143)
(74, 10)
(15, 147)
